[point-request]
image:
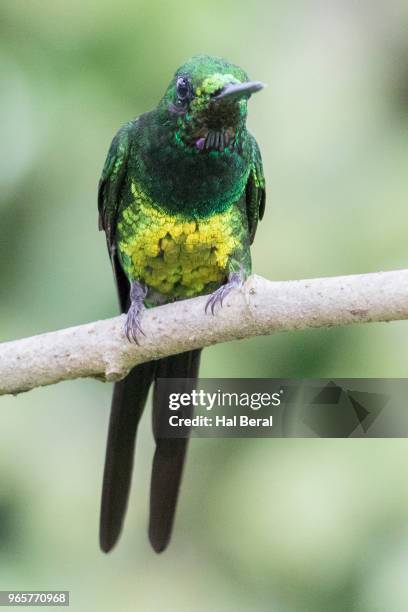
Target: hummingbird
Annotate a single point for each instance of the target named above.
(180, 197)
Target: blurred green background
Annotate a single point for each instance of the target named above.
(282, 525)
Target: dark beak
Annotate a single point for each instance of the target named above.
(238, 90)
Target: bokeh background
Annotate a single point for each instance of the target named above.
(282, 525)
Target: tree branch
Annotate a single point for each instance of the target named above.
(100, 349)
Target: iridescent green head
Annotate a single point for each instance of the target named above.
(206, 102)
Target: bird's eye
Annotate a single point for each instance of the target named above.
(183, 89)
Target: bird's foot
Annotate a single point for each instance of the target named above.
(235, 280)
(133, 327)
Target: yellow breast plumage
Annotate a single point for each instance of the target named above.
(175, 256)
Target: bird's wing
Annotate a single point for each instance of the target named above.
(255, 190)
(111, 181)
(109, 195)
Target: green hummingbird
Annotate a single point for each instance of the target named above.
(179, 199)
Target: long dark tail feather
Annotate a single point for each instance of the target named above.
(129, 398)
(170, 454)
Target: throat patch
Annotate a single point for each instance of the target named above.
(217, 140)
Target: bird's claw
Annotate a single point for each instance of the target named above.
(217, 298)
(132, 327)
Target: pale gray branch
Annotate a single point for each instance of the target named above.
(261, 307)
